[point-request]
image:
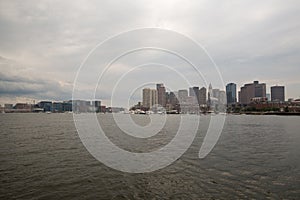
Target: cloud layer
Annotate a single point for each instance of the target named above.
(43, 43)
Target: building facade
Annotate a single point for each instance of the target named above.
(231, 93)
(161, 94)
(150, 97)
(277, 93)
(46, 106)
(96, 106)
(209, 95)
(154, 97)
(57, 107)
(252, 90)
(182, 96)
(222, 97)
(202, 96)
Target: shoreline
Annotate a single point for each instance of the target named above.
(268, 113)
(239, 113)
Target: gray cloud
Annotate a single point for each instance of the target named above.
(42, 43)
(15, 85)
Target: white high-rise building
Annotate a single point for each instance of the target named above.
(183, 96)
(150, 97)
(154, 97)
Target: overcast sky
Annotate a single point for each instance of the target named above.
(43, 43)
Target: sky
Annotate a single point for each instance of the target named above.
(48, 49)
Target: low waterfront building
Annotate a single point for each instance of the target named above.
(46, 105)
(57, 107)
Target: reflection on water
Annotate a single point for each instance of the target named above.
(257, 157)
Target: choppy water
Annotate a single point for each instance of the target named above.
(42, 157)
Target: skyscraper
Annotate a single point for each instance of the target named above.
(231, 93)
(209, 94)
(196, 92)
(147, 97)
(222, 97)
(252, 90)
(277, 93)
(191, 92)
(161, 94)
(202, 96)
(173, 99)
(182, 95)
(215, 93)
(154, 98)
(210, 89)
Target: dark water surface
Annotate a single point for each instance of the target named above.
(42, 157)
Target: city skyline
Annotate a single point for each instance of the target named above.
(252, 97)
(153, 94)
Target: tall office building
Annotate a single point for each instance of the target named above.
(215, 93)
(196, 92)
(277, 93)
(210, 89)
(252, 90)
(209, 95)
(222, 97)
(149, 97)
(182, 96)
(154, 97)
(191, 92)
(173, 99)
(231, 93)
(202, 96)
(161, 94)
